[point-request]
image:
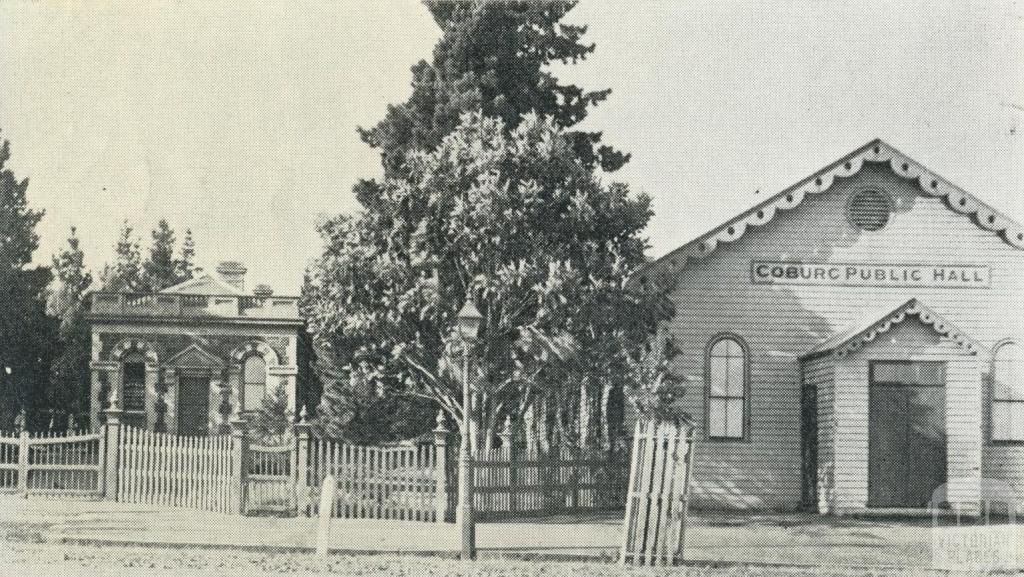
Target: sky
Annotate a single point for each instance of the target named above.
(238, 119)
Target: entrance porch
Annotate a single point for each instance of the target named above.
(891, 414)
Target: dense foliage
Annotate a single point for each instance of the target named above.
(68, 390)
(513, 221)
(489, 194)
(161, 268)
(26, 333)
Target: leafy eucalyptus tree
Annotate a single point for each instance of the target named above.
(513, 221)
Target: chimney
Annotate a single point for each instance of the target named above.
(262, 291)
(233, 272)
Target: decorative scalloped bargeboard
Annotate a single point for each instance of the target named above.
(930, 184)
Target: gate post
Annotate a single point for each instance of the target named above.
(112, 434)
(301, 474)
(441, 468)
(23, 462)
(239, 448)
(509, 453)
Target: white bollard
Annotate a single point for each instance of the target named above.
(323, 530)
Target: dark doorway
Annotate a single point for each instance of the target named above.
(907, 432)
(193, 403)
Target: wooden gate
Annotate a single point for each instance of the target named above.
(659, 482)
(163, 469)
(52, 463)
(270, 478)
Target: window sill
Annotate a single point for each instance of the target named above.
(727, 439)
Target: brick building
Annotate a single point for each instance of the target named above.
(184, 359)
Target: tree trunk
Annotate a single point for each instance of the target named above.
(606, 424)
(530, 426)
(543, 430)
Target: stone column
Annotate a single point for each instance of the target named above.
(301, 473)
(112, 434)
(508, 452)
(441, 465)
(239, 448)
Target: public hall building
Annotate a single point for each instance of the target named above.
(853, 343)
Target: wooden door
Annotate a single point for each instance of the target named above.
(907, 433)
(193, 404)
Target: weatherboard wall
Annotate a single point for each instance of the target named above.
(780, 322)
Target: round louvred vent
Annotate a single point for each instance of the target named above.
(869, 209)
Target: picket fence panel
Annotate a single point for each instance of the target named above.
(388, 482)
(52, 462)
(508, 483)
(656, 503)
(178, 471)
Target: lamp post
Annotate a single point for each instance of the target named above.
(469, 319)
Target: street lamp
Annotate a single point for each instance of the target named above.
(469, 319)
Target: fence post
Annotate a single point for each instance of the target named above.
(509, 453)
(441, 467)
(112, 434)
(573, 482)
(23, 462)
(239, 448)
(301, 474)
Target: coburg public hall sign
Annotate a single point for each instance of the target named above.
(845, 274)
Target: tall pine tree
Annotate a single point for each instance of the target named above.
(125, 273)
(160, 270)
(69, 373)
(492, 58)
(184, 267)
(26, 333)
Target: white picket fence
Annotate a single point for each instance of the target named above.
(163, 469)
(656, 503)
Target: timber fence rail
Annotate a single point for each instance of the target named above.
(58, 463)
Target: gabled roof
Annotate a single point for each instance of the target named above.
(931, 184)
(865, 331)
(194, 356)
(207, 283)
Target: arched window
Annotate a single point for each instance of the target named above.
(254, 380)
(1008, 393)
(134, 379)
(727, 388)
